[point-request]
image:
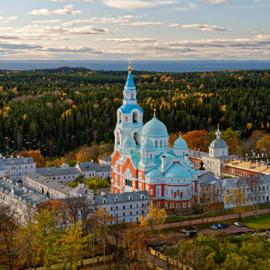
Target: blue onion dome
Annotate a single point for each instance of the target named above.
(148, 146)
(180, 144)
(154, 128)
(218, 143)
(129, 142)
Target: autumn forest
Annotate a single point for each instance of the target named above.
(59, 110)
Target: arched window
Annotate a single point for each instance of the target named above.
(160, 143)
(137, 138)
(135, 117)
(119, 117)
(156, 143)
(118, 138)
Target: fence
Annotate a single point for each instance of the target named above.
(169, 260)
(85, 262)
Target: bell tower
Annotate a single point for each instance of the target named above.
(129, 115)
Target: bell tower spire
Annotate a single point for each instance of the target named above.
(129, 115)
(218, 132)
(130, 92)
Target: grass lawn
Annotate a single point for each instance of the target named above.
(261, 222)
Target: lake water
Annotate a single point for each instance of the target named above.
(160, 66)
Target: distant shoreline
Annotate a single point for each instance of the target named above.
(140, 65)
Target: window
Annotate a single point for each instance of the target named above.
(137, 138)
(135, 117)
(130, 206)
(124, 207)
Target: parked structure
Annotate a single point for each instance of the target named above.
(124, 207)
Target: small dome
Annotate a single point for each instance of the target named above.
(129, 142)
(218, 143)
(180, 144)
(154, 128)
(147, 146)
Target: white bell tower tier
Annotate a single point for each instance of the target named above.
(129, 115)
(218, 147)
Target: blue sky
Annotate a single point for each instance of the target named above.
(136, 29)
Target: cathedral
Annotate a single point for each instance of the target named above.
(143, 160)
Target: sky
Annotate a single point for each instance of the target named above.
(136, 29)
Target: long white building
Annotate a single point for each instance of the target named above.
(55, 189)
(253, 191)
(21, 199)
(124, 207)
(18, 167)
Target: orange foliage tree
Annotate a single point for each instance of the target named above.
(35, 154)
(263, 144)
(197, 139)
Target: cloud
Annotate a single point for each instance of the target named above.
(259, 41)
(71, 1)
(145, 23)
(216, 2)
(257, 47)
(87, 30)
(127, 20)
(130, 40)
(53, 21)
(77, 50)
(14, 46)
(200, 27)
(41, 11)
(8, 19)
(8, 37)
(66, 10)
(138, 4)
(48, 32)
